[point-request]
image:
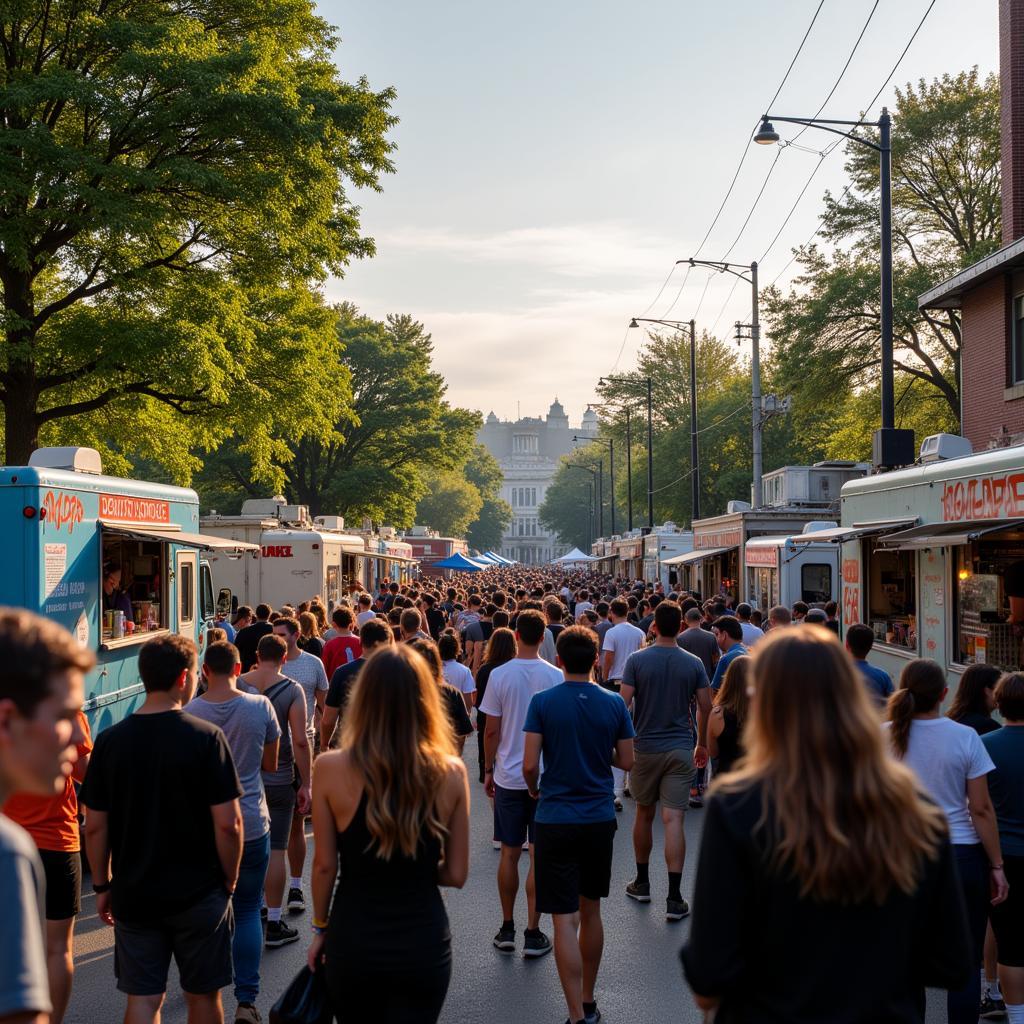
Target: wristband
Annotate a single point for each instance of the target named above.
(100, 887)
(319, 926)
(317, 930)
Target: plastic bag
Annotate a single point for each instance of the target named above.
(304, 1001)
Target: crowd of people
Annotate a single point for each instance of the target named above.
(858, 844)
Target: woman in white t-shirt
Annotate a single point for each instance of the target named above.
(952, 763)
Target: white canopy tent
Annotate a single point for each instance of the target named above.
(572, 557)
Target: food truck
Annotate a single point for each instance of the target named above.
(294, 559)
(664, 542)
(114, 561)
(786, 569)
(933, 558)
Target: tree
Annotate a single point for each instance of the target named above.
(484, 473)
(172, 179)
(450, 505)
(568, 506)
(946, 215)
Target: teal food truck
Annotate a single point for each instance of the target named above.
(114, 561)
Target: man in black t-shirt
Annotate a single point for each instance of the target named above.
(247, 639)
(164, 837)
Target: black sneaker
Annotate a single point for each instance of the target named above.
(280, 934)
(992, 1009)
(505, 940)
(296, 901)
(676, 910)
(263, 914)
(593, 1016)
(536, 943)
(639, 891)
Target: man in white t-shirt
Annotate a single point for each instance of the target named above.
(583, 603)
(751, 633)
(619, 643)
(455, 673)
(510, 689)
(366, 611)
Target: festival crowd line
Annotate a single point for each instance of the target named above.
(859, 844)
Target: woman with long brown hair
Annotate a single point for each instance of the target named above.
(725, 724)
(975, 698)
(952, 764)
(826, 887)
(501, 648)
(391, 813)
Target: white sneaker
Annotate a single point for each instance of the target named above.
(495, 844)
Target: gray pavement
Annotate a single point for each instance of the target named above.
(640, 980)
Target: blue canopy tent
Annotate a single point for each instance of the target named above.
(500, 559)
(486, 559)
(460, 563)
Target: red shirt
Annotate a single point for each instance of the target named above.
(340, 650)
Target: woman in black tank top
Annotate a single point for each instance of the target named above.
(725, 725)
(382, 933)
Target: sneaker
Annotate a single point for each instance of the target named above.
(247, 1014)
(696, 800)
(263, 914)
(296, 901)
(639, 891)
(280, 934)
(992, 1009)
(495, 844)
(618, 804)
(676, 910)
(505, 940)
(536, 943)
(593, 1017)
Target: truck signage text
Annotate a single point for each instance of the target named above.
(62, 510)
(276, 551)
(987, 497)
(761, 556)
(125, 508)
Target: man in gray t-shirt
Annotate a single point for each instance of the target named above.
(306, 669)
(700, 642)
(660, 681)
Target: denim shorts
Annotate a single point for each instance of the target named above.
(513, 816)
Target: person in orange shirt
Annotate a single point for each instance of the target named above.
(52, 822)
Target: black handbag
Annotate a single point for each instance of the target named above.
(304, 1001)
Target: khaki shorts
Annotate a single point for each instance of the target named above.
(665, 776)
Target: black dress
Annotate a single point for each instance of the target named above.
(728, 743)
(388, 944)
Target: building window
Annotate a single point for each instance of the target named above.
(892, 596)
(1017, 342)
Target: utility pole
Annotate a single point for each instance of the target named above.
(694, 460)
(755, 373)
(629, 473)
(650, 458)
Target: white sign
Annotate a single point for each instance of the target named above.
(82, 630)
(55, 563)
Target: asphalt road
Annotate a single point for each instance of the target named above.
(640, 979)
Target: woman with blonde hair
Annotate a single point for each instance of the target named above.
(826, 886)
(309, 634)
(725, 724)
(391, 814)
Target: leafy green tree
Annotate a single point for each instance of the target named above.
(946, 215)
(173, 177)
(450, 505)
(484, 473)
(568, 506)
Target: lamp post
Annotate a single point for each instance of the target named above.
(892, 447)
(677, 325)
(757, 418)
(629, 474)
(591, 489)
(611, 467)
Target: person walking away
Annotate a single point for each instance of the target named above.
(660, 682)
(366, 613)
(391, 815)
(1006, 784)
(728, 715)
(501, 649)
(455, 673)
(699, 641)
(859, 641)
(509, 692)
(287, 787)
(581, 730)
(249, 636)
(344, 647)
(250, 725)
(163, 833)
(476, 636)
(451, 699)
(41, 734)
(309, 635)
(832, 616)
(374, 634)
(870, 921)
(619, 643)
(952, 763)
(778, 616)
(728, 634)
(308, 671)
(751, 633)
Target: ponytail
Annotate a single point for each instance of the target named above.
(922, 684)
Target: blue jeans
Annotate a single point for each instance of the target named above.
(247, 946)
(972, 867)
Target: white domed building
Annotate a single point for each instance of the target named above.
(528, 451)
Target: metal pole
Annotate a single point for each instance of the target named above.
(650, 458)
(629, 474)
(888, 402)
(600, 494)
(611, 471)
(694, 458)
(755, 374)
(590, 515)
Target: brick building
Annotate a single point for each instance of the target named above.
(990, 294)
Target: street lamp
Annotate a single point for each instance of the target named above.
(650, 441)
(677, 325)
(591, 494)
(891, 447)
(598, 472)
(611, 465)
(736, 269)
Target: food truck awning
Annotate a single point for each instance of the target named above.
(936, 535)
(385, 557)
(841, 534)
(697, 556)
(205, 541)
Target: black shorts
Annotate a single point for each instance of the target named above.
(1008, 917)
(63, 883)
(199, 939)
(571, 861)
(513, 816)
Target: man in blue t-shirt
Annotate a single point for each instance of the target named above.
(859, 641)
(729, 634)
(582, 731)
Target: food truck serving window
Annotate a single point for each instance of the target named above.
(134, 574)
(988, 584)
(816, 582)
(892, 595)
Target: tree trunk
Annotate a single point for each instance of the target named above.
(21, 425)
(21, 387)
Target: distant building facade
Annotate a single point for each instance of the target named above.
(528, 451)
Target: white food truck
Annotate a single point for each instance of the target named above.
(790, 568)
(933, 558)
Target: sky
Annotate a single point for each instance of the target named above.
(556, 157)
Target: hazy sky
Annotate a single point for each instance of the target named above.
(555, 157)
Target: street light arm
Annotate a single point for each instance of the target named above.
(809, 122)
(720, 266)
(678, 324)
